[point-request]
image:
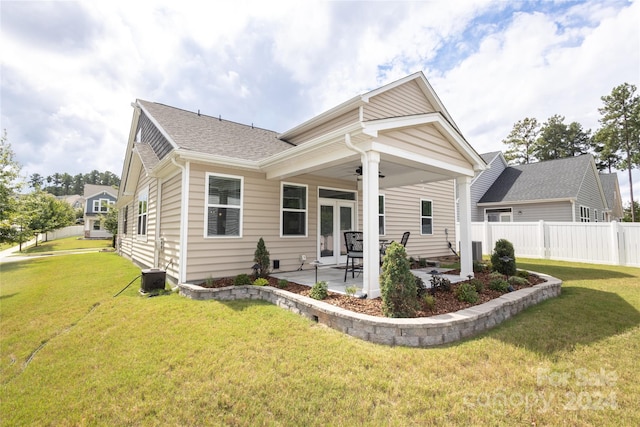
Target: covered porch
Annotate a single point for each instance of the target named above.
(381, 136)
(334, 277)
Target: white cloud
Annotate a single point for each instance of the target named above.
(70, 69)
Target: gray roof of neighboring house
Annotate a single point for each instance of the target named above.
(551, 179)
(487, 157)
(91, 190)
(609, 183)
(212, 135)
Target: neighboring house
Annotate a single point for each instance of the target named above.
(568, 189)
(98, 199)
(611, 188)
(198, 192)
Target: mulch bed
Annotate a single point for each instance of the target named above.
(446, 302)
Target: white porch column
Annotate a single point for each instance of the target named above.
(370, 189)
(463, 188)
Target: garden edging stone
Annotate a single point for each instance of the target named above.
(410, 332)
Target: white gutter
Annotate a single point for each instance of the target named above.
(184, 223)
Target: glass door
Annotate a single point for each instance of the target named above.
(336, 217)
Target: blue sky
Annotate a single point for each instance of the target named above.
(70, 69)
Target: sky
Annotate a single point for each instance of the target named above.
(71, 69)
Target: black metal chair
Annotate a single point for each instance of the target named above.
(403, 242)
(355, 250)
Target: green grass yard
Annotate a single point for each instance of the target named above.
(72, 354)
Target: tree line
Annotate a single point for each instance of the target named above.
(615, 144)
(25, 216)
(64, 184)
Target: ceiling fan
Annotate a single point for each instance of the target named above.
(359, 172)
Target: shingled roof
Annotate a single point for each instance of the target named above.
(212, 135)
(551, 179)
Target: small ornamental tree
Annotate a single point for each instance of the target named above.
(261, 258)
(397, 284)
(503, 248)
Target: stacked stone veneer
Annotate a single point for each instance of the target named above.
(413, 332)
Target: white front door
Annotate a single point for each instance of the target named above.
(335, 217)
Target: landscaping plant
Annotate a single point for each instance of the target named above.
(467, 292)
(504, 248)
(397, 284)
(319, 291)
(242, 280)
(260, 281)
(261, 258)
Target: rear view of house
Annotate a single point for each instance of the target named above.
(198, 192)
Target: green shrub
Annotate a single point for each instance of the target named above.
(283, 283)
(351, 290)
(500, 285)
(523, 273)
(496, 275)
(261, 258)
(467, 292)
(429, 301)
(517, 280)
(242, 280)
(439, 283)
(478, 285)
(397, 284)
(479, 267)
(422, 262)
(421, 288)
(260, 281)
(319, 291)
(504, 248)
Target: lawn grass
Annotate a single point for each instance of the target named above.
(69, 244)
(167, 360)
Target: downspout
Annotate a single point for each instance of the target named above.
(159, 246)
(184, 223)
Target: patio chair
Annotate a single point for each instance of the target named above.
(403, 242)
(353, 243)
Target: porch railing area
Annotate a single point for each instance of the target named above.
(613, 243)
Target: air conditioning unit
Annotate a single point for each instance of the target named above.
(153, 279)
(476, 251)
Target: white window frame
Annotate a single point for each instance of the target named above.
(207, 205)
(426, 216)
(143, 217)
(585, 213)
(382, 215)
(99, 203)
(500, 212)
(305, 210)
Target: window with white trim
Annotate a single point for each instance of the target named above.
(498, 215)
(102, 205)
(294, 210)
(143, 201)
(585, 214)
(595, 214)
(223, 206)
(125, 219)
(426, 216)
(381, 216)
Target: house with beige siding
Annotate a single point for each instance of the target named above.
(568, 189)
(198, 192)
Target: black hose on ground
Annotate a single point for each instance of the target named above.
(137, 277)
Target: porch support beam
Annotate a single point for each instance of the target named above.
(370, 190)
(463, 190)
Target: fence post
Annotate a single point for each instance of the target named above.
(617, 255)
(541, 240)
(486, 236)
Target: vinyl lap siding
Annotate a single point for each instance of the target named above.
(402, 213)
(337, 123)
(481, 184)
(413, 140)
(404, 100)
(229, 256)
(589, 195)
(170, 211)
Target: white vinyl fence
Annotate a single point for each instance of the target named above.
(74, 230)
(611, 243)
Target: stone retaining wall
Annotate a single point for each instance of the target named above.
(414, 332)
